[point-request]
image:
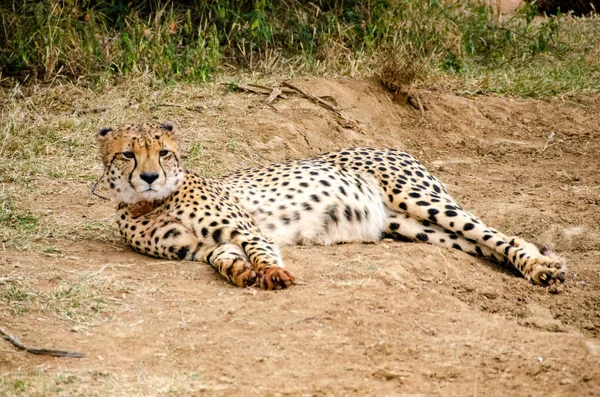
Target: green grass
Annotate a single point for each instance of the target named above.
(404, 42)
(79, 299)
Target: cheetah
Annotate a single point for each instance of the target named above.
(236, 223)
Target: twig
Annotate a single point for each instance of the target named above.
(422, 328)
(79, 112)
(274, 94)
(37, 350)
(348, 121)
(261, 89)
(196, 108)
(95, 185)
(446, 267)
(550, 138)
(311, 97)
(421, 109)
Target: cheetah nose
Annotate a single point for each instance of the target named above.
(149, 177)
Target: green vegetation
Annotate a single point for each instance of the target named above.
(77, 299)
(464, 44)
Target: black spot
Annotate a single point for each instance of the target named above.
(486, 237)
(468, 226)
(450, 213)
(456, 246)
(217, 235)
(422, 237)
(479, 251)
(403, 206)
(315, 198)
(348, 213)
(182, 252)
(133, 227)
(303, 184)
(423, 203)
(204, 232)
(172, 232)
(332, 214)
(394, 226)
(324, 183)
(433, 211)
(414, 195)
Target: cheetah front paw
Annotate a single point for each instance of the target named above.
(242, 273)
(274, 277)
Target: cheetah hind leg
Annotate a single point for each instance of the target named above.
(403, 227)
(540, 266)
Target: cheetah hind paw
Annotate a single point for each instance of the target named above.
(274, 277)
(550, 271)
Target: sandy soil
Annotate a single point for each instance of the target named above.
(378, 319)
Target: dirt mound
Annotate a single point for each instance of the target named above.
(379, 319)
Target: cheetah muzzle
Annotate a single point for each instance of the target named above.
(237, 222)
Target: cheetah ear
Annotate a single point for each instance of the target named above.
(104, 131)
(167, 126)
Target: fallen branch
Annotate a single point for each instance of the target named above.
(274, 94)
(261, 89)
(348, 121)
(38, 350)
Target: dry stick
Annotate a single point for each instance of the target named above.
(197, 108)
(261, 89)
(421, 109)
(79, 112)
(95, 185)
(274, 94)
(37, 350)
(348, 121)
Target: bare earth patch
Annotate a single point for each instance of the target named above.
(376, 319)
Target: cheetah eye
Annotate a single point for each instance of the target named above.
(163, 153)
(128, 155)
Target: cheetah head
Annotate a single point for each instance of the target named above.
(141, 161)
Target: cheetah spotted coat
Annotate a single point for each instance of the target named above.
(237, 223)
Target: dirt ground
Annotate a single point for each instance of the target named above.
(378, 319)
